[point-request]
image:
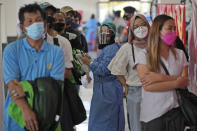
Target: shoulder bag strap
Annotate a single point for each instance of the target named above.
(133, 52)
(56, 42)
(164, 67)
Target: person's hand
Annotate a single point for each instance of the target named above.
(149, 78)
(30, 119)
(125, 90)
(86, 60)
(182, 82)
(88, 78)
(16, 90)
(67, 73)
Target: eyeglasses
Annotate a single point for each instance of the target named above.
(137, 26)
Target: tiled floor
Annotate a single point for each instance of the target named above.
(86, 95)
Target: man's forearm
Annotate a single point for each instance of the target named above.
(17, 94)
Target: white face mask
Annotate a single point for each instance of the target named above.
(141, 32)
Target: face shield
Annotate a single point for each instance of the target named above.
(105, 34)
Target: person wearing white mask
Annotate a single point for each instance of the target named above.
(28, 59)
(122, 66)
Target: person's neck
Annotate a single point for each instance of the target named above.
(36, 44)
(164, 50)
(61, 32)
(52, 33)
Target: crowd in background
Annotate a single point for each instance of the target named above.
(130, 64)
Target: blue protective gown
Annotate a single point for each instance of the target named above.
(106, 111)
(91, 26)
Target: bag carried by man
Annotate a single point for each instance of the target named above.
(45, 97)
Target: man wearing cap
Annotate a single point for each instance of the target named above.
(48, 8)
(74, 36)
(68, 11)
(128, 13)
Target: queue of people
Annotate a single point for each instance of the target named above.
(131, 66)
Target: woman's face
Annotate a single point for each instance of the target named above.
(168, 27)
(108, 32)
(140, 28)
(138, 22)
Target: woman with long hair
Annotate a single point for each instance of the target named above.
(122, 66)
(159, 107)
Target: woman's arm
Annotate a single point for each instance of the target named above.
(185, 71)
(123, 82)
(172, 83)
(153, 77)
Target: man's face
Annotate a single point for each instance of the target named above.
(30, 18)
(59, 18)
(127, 16)
(76, 20)
(49, 12)
(69, 14)
(60, 23)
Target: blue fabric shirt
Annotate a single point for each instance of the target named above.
(91, 26)
(106, 111)
(99, 65)
(22, 62)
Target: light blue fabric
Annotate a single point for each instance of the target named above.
(91, 26)
(106, 111)
(35, 30)
(22, 62)
(133, 107)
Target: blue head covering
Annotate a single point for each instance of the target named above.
(129, 9)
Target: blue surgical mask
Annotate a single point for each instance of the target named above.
(74, 26)
(35, 31)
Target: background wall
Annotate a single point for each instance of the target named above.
(11, 7)
(87, 6)
(169, 1)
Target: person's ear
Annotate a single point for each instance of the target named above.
(22, 27)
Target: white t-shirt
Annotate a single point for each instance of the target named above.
(122, 64)
(155, 104)
(65, 46)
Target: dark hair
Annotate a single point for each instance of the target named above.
(51, 7)
(77, 15)
(30, 8)
(92, 16)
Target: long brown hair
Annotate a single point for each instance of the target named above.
(154, 40)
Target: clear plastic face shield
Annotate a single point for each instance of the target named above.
(104, 34)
